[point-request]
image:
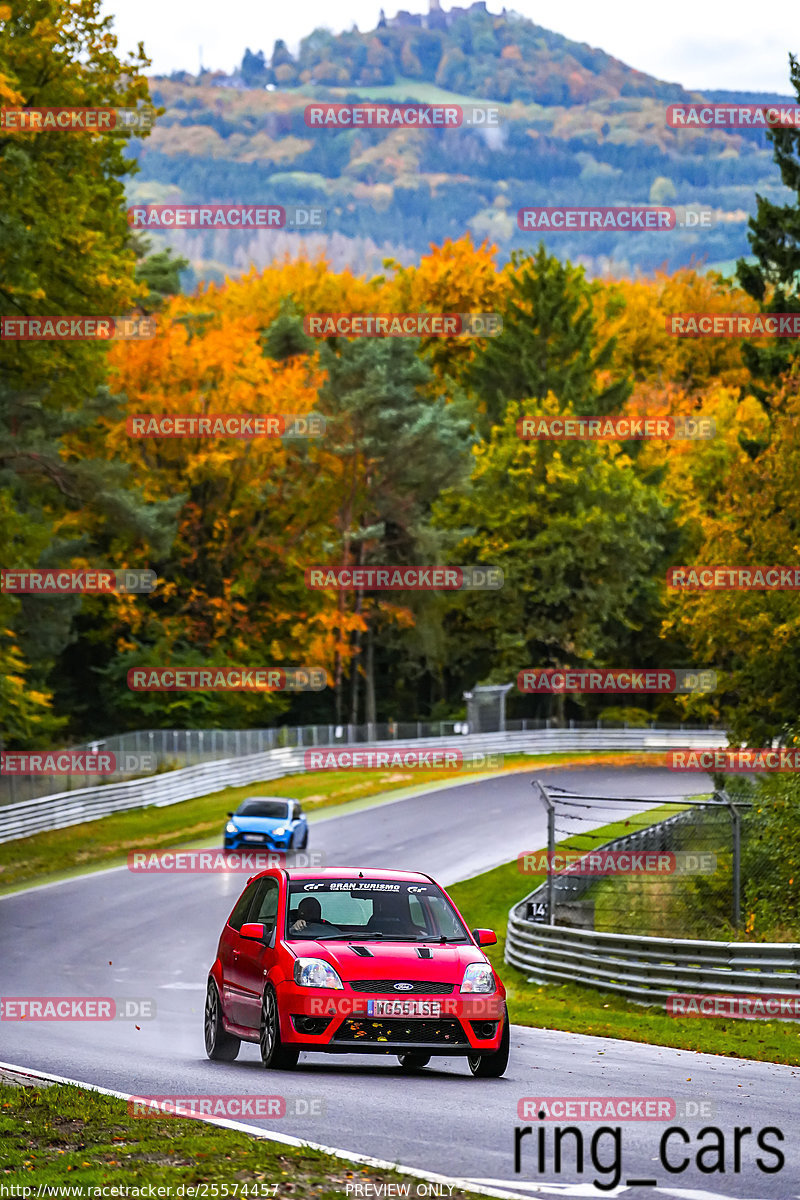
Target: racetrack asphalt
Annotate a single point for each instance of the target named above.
(122, 934)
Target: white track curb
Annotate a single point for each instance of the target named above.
(269, 1135)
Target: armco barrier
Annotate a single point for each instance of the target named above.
(648, 969)
(645, 969)
(89, 804)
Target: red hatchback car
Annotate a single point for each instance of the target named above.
(348, 960)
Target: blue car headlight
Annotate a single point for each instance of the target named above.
(231, 828)
(280, 831)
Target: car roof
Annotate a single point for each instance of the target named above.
(354, 873)
(283, 799)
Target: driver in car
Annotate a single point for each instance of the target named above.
(309, 912)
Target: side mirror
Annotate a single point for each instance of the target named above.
(253, 930)
(485, 937)
(230, 814)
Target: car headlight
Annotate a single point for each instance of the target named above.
(231, 828)
(315, 972)
(281, 830)
(478, 977)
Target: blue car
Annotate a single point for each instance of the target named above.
(267, 821)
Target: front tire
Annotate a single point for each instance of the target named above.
(413, 1062)
(493, 1065)
(274, 1055)
(221, 1046)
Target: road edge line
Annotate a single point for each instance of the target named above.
(282, 1138)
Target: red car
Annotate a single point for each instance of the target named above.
(343, 960)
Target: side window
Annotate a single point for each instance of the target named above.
(415, 909)
(265, 904)
(237, 918)
(445, 918)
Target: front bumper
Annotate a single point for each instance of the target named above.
(346, 1023)
(266, 841)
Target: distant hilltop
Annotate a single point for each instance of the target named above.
(434, 18)
(467, 50)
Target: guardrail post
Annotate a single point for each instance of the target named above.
(551, 845)
(736, 830)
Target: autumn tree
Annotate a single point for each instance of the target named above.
(549, 343)
(580, 539)
(66, 250)
(774, 236)
(397, 447)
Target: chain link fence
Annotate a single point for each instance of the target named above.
(673, 870)
(176, 748)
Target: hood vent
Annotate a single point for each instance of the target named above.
(424, 951)
(362, 951)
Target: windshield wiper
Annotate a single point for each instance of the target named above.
(439, 940)
(383, 937)
(317, 937)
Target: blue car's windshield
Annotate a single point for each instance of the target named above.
(263, 808)
(371, 909)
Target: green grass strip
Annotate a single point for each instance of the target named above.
(62, 1135)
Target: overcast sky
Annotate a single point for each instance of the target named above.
(733, 44)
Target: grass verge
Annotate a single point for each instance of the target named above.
(485, 900)
(60, 1134)
(106, 842)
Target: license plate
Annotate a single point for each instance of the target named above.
(403, 1008)
(253, 837)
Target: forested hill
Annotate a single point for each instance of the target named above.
(577, 127)
(504, 57)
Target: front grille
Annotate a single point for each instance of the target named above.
(441, 1033)
(386, 987)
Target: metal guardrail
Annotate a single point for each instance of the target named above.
(92, 803)
(644, 969)
(649, 969)
(170, 749)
